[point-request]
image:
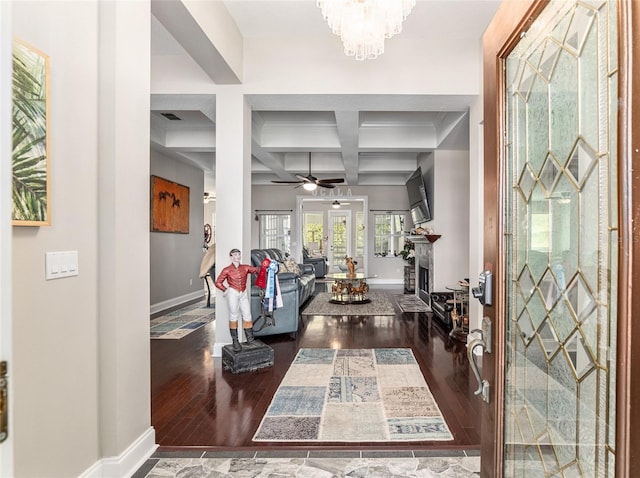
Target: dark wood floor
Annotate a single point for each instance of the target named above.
(194, 403)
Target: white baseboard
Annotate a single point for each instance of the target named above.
(167, 304)
(382, 281)
(128, 462)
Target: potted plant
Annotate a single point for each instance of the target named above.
(408, 253)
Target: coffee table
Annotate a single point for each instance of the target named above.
(349, 289)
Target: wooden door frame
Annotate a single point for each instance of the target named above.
(628, 359)
(512, 18)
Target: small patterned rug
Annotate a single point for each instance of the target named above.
(380, 305)
(353, 395)
(411, 303)
(181, 322)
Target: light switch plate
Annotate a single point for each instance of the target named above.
(61, 264)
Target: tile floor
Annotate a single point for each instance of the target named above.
(312, 464)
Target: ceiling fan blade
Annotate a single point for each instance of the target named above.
(330, 180)
(309, 178)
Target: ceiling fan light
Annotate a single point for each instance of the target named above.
(310, 186)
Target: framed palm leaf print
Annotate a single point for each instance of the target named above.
(30, 117)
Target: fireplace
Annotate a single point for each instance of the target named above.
(423, 283)
(424, 270)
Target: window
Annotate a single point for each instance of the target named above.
(312, 231)
(275, 232)
(389, 234)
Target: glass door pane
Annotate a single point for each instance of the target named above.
(339, 238)
(561, 230)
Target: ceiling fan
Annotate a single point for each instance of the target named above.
(310, 182)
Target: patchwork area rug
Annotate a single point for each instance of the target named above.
(181, 322)
(411, 303)
(353, 395)
(380, 305)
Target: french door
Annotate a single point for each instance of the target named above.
(558, 240)
(339, 238)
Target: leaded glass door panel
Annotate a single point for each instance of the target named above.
(561, 232)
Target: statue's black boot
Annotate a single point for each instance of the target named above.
(248, 332)
(234, 337)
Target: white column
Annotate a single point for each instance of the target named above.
(233, 192)
(123, 212)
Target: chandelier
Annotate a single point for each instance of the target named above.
(363, 25)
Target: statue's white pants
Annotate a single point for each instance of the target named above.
(238, 306)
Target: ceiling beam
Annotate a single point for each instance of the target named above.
(207, 33)
(347, 123)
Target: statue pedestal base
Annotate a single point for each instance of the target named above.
(252, 357)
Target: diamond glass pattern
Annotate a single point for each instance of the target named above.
(526, 182)
(549, 339)
(580, 160)
(579, 356)
(549, 173)
(580, 298)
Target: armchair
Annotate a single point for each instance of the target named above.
(319, 263)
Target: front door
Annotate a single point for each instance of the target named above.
(553, 240)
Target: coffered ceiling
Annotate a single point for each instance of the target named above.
(365, 139)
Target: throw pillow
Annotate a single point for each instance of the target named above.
(290, 265)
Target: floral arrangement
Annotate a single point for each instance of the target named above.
(409, 252)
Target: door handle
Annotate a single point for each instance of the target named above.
(483, 385)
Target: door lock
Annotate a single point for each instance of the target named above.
(484, 291)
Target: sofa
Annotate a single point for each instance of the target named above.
(295, 290)
(319, 263)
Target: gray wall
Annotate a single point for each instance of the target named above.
(175, 258)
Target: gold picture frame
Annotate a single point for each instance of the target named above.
(30, 202)
(169, 206)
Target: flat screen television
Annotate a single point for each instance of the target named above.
(418, 202)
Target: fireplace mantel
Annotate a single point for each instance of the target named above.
(424, 238)
(418, 239)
